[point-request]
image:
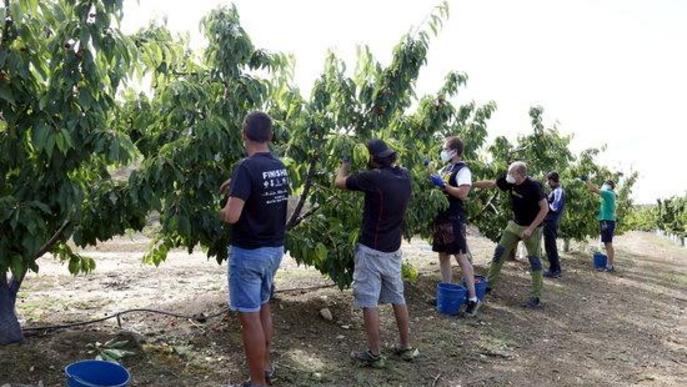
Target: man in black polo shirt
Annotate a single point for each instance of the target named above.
(258, 194)
(529, 209)
(377, 275)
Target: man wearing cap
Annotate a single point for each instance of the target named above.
(377, 275)
(556, 201)
(258, 194)
(529, 210)
(607, 218)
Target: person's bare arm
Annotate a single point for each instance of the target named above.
(484, 184)
(460, 192)
(224, 188)
(232, 210)
(593, 188)
(543, 210)
(342, 175)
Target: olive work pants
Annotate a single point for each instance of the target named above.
(509, 240)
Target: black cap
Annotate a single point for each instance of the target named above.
(379, 149)
(553, 175)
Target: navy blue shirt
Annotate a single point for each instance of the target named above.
(262, 183)
(387, 192)
(556, 201)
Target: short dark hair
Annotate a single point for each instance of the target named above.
(553, 175)
(385, 161)
(258, 127)
(455, 143)
(611, 183)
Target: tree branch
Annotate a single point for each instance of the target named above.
(8, 24)
(304, 196)
(54, 239)
(303, 217)
(491, 199)
(15, 283)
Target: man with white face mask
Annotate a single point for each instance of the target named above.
(529, 210)
(449, 226)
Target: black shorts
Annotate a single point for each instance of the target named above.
(607, 231)
(459, 245)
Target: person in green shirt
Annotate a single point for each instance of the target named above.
(607, 218)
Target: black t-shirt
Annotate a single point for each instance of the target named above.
(262, 182)
(456, 207)
(524, 199)
(387, 192)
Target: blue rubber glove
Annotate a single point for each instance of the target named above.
(437, 181)
(425, 162)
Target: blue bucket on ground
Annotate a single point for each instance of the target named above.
(96, 373)
(600, 260)
(450, 297)
(480, 286)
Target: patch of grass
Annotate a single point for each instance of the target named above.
(37, 308)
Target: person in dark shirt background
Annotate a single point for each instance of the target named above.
(377, 275)
(258, 195)
(556, 200)
(529, 210)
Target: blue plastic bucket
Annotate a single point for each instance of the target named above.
(600, 260)
(480, 286)
(450, 297)
(96, 373)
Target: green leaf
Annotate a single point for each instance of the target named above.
(42, 206)
(85, 99)
(74, 265)
(6, 93)
(321, 252)
(40, 135)
(17, 266)
(184, 225)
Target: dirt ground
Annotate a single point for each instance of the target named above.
(628, 328)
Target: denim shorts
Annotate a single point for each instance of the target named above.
(377, 278)
(607, 231)
(251, 276)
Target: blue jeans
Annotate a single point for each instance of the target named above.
(251, 276)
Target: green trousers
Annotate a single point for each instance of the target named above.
(509, 240)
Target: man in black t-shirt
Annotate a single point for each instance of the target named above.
(258, 195)
(377, 274)
(529, 210)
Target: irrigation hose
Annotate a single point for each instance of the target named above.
(200, 317)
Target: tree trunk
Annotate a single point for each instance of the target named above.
(10, 330)
(566, 245)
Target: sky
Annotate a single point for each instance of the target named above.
(609, 72)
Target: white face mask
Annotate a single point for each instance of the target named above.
(446, 156)
(605, 187)
(510, 179)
